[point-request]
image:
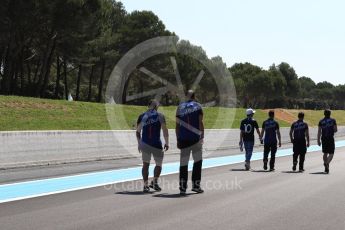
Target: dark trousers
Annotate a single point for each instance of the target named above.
(187, 149)
(270, 148)
(299, 149)
(301, 159)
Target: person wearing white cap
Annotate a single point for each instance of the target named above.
(247, 135)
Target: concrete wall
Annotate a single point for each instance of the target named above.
(20, 149)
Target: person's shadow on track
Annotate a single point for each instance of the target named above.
(318, 173)
(171, 196)
(292, 172)
(238, 170)
(134, 193)
(261, 171)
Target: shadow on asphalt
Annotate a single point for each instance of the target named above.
(261, 171)
(238, 170)
(318, 173)
(133, 193)
(292, 172)
(171, 196)
(166, 195)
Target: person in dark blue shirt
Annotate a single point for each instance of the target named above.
(190, 137)
(270, 130)
(148, 133)
(325, 137)
(299, 136)
(248, 126)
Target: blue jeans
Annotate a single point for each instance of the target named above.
(249, 146)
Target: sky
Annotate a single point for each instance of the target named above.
(307, 34)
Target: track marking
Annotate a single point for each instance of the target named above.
(45, 187)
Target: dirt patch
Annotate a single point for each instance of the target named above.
(284, 115)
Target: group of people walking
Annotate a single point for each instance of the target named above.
(270, 137)
(189, 135)
(190, 138)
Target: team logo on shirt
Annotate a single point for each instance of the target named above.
(270, 125)
(299, 126)
(187, 109)
(150, 121)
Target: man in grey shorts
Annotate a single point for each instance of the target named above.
(149, 126)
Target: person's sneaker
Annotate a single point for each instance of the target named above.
(155, 186)
(294, 168)
(272, 169)
(247, 167)
(146, 189)
(301, 169)
(197, 190)
(327, 168)
(183, 193)
(265, 166)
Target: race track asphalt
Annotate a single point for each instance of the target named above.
(233, 199)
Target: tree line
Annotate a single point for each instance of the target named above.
(281, 87)
(51, 49)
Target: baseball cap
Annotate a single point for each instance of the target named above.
(250, 111)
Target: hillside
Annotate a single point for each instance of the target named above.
(23, 113)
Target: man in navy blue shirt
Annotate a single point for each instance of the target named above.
(190, 136)
(248, 126)
(149, 124)
(299, 135)
(270, 130)
(325, 137)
